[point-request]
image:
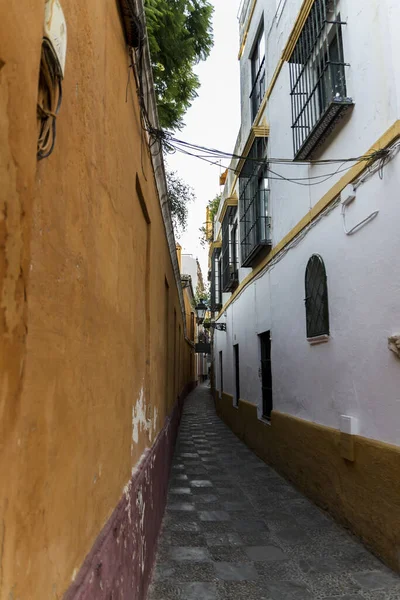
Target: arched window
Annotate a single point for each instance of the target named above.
(316, 300)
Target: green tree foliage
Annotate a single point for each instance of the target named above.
(213, 208)
(180, 35)
(180, 194)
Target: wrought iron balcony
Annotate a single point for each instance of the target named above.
(317, 79)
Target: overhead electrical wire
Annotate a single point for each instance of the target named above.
(168, 143)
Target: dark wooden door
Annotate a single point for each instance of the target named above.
(237, 372)
(266, 373)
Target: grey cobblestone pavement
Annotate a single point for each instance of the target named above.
(234, 529)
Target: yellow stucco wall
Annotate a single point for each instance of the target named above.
(191, 328)
(86, 355)
(363, 494)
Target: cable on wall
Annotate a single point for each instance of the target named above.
(51, 73)
(49, 100)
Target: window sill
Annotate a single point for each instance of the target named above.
(257, 252)
(318, 339)
(266, 421)
(323, 128)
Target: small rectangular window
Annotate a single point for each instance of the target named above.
(255, 221)
(257, 74)
(216, 300)
(229, 260)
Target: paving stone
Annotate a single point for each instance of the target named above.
(234, 571)
(213, 515)
(182, 538)
(346, 597)
(180, 525)
(289, 590)
(377, 580)
(292, 535)
(247, 525)
(229, 553)
(198, 591)
(265, 553)
(223, 539)
(201, 483)
(236, 506)
(181, 506)
(206, 498)
(179, 477)
(321, 564)
(245, 533)
(190, 553)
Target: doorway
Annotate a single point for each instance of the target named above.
(266, 374)
(237, 373)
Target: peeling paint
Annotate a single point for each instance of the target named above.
(126, 547)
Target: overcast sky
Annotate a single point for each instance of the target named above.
(212, 121)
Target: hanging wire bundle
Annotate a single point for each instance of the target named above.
(49, 100)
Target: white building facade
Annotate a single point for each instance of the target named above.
(305, 261)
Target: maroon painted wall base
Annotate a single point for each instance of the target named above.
(121, 560)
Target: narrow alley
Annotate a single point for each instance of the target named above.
(233, 528)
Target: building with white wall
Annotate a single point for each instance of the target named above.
(304, 262)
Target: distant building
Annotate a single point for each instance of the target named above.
(192, 280)
(304, 259)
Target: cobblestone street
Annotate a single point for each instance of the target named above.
(234, 529)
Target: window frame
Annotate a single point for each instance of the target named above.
(257, 72)
(312, 71)
(230, 275)
(255, 220)
(314, 298)
(216, 292)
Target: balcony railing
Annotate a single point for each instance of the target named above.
(317, 78)
(258, 90)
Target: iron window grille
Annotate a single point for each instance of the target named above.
(318, 79)
(229, 251)
(316, 300)
(255, 222)
(257, 75)
(216, 292)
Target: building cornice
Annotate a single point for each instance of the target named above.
(255, 132)
(229, 201)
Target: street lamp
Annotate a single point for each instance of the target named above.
(201, 310)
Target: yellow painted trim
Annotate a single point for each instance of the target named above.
(246, 30)
(229, 201)
(297, 29)
(213, 246)
(255, 132)
(385, 140)
(286, 54)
